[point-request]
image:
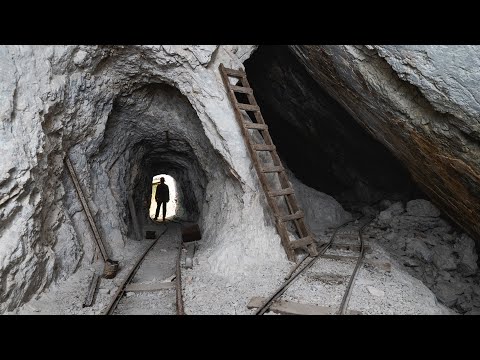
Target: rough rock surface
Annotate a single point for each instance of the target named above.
(423, 103)
(318, 139)
(321, 210)
(432, 251)
(109, 108)
(422, 207)
(78, 100)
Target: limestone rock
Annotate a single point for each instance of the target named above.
(446, 293)
(467, 255)
(418, 249)
(422, 207)
(321, 210)
(420, 101)
(393, 210)
(375, 292)
(474, 311)
(443, 258)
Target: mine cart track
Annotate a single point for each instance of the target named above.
(178, 284)
(308, 262)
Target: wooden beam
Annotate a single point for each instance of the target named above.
(241, 89)
(190, 253)
(91, 290)
(86, 208)
(297, 215)
(295, 244)
(293, 308)
(133, 212)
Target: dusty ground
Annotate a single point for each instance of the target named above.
(158, 266)
(376, 291)
(67, 297)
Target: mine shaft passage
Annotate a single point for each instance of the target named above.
(171, 206)
(318, 139)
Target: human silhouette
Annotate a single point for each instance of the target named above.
(162, 196)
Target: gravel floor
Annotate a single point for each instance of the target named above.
(375, 291)
(158, 265)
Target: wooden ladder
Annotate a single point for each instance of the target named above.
(246, 122)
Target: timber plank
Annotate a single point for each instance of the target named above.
(293, 308)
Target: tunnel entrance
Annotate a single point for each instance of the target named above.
(171, 205)
(152, 131)
(318, 138)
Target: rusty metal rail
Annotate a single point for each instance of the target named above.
(348, 292)
(178, 282)
(121, 289)
(309, 261)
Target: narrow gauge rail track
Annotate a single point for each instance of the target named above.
(121, 289)
(308, 262)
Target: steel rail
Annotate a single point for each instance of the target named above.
(121, 289)
(348, 291)
(264, 308)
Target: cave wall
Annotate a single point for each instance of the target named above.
(60, 99)
(138, 122)
(418, 101)
(319, 140)
(422, 103)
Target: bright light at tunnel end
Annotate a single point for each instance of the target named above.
(172, 204)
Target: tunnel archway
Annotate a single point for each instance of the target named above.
(152, 130)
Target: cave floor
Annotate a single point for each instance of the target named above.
(158, 266)
(376, 290)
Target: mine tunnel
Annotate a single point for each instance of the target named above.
(154, 130)
(357, 133)
(319, 140)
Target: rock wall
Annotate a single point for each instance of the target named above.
(431, 250)
(422, 103)
(107, 108)
(317, 138)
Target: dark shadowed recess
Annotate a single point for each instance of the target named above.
(318, 139)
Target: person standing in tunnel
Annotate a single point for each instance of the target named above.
(162, 196)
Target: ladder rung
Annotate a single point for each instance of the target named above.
(301, 242)
(241, 89)
(252, 125)
(263, 147)
(281, 192)
(273, 169)
(235, 73)
(297, 215)
(248, 107)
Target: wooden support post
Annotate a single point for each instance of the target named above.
(91, 290)
(133, 212)
(293, 308)
(83, 200)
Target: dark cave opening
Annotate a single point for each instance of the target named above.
(154, 130)
(318, 139)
